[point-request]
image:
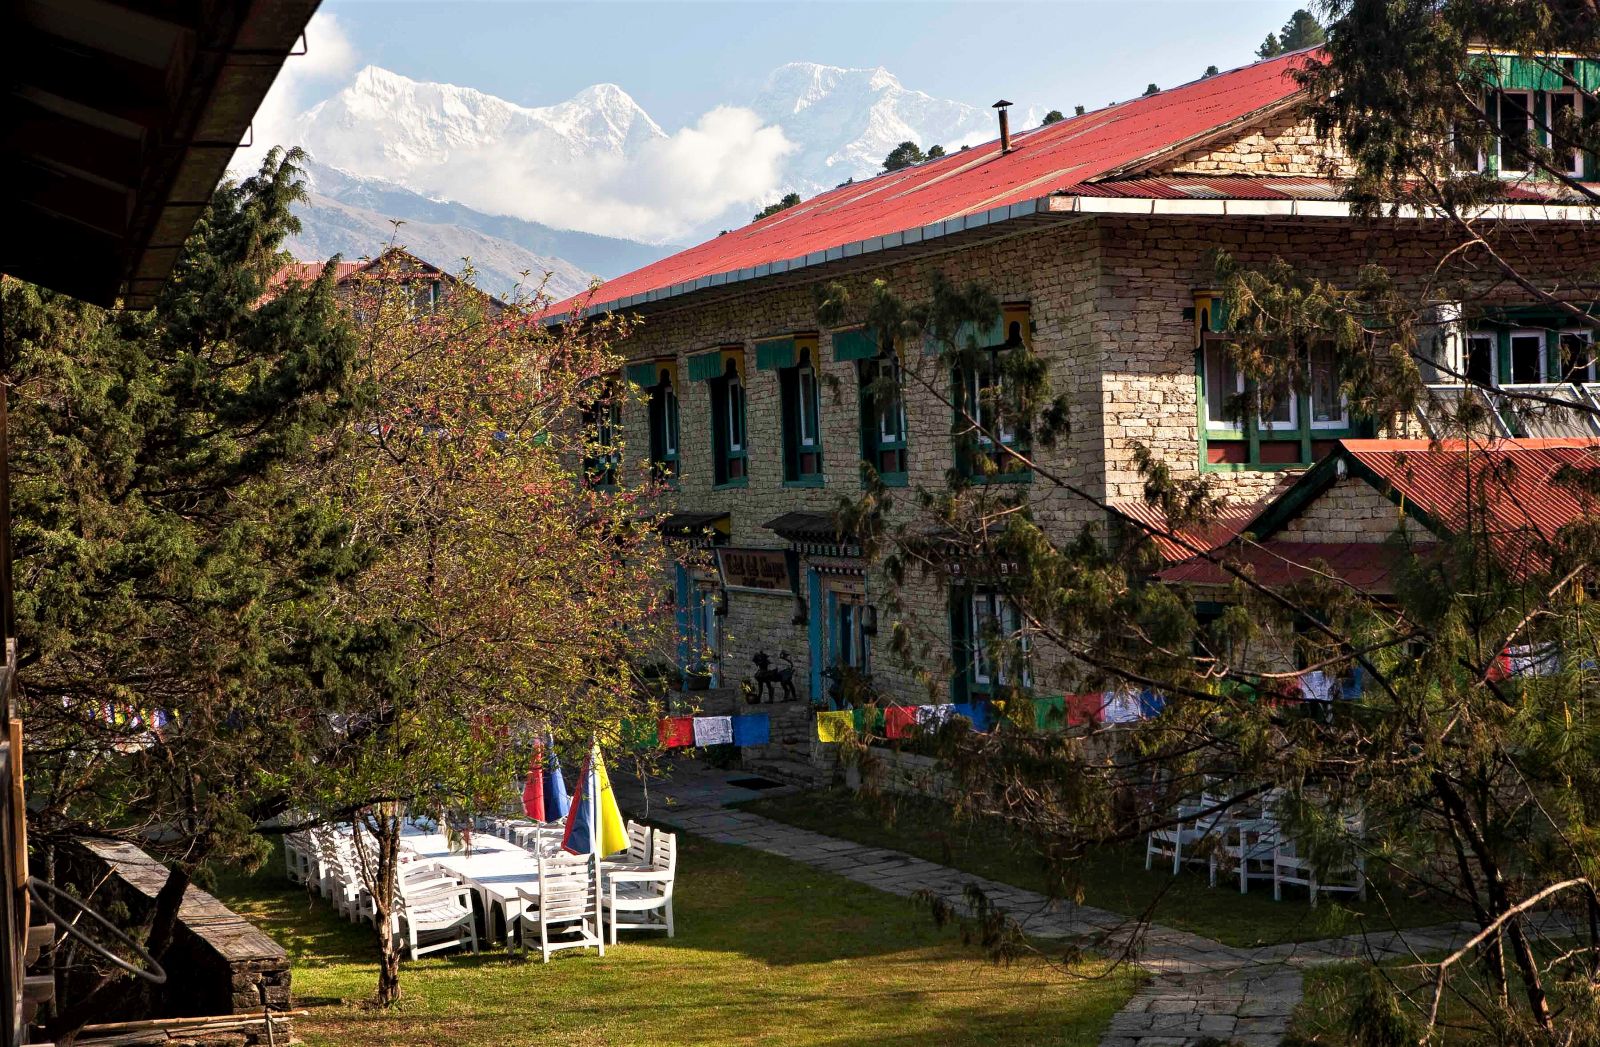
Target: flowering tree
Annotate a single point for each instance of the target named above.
(514, 567)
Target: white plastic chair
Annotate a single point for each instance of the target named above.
(645, 892)
(1181, 841)
(1248, 847)
(639, 854)
(436, 911)
(566, 910)
(1291, 867)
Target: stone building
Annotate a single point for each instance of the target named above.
(1098, 234)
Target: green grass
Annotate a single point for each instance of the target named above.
(1114, 880)
(768, 951)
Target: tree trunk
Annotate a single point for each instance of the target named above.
(382, 874)
(1499, 898)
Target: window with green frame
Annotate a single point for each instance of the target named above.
(602, 434)
(730, 455)
(1289, 428)
(1533, 101)
(801, 406)
(988, 422)
(663, 411)
(988, 644)
(883, 417)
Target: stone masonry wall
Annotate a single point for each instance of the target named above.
(1285, 144)
(1351, 511)
(1151, 267)
(1052, 269)
(219, 963)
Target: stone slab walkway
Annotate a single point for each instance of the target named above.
(1200, 990)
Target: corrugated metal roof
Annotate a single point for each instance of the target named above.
(972, 184)
(1179, 544)
(1366, 566)
(1512, 481)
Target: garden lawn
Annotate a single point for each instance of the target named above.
(1115, 879)
(768, 951)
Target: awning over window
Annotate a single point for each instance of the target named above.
(694, 525)
(808, 527)
(857, 344)
(713, 364)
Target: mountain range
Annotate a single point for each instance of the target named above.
(592, 185)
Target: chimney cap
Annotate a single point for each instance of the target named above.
(1000, 104)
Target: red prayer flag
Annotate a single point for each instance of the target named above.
(898, 720)
(1085, 708)
(533, 788)
(675, 731)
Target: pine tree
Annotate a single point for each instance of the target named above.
(1053, 116)
(173, 588)
(1302, 30)
(902, 156)
(789, 200)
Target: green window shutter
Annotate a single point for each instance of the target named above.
(984, 336)
(774, 354)
(859, 344)
(644, 375)
(705, 366)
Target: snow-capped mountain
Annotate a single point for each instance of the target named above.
(845, 121)
(407, 131)
(438, 155)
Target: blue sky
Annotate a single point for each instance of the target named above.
(680, 59)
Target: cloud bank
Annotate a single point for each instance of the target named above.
(329, 58)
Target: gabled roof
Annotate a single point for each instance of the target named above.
(1370, 567)
(980, 183)
(1504, 488)
(1176, 544)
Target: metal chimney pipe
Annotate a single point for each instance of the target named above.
(1005, 126)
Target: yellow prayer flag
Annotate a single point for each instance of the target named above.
(835, 726)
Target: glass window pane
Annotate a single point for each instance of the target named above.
(1561, 109)
(1222, 381)
(1577, 356)
(1327, 403)
(1279, 413)
(1480, 359)
(1527, 359)
(1516, 121)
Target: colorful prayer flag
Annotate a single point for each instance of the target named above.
(533, 787)
(1083, 709)
(595, 817)
(834, 726)
(976, 713)
(898, 720)
(556, 802)
(860, 723)
(1049, 714)
(713, 730)
(675, 731)
(752, 729)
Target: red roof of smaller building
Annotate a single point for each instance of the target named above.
(1366, 566)
(306, 272)
(1176, 544)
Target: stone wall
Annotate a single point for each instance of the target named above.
(1283, 144)
(219, 962)
(1351, 511)
(1108, 297)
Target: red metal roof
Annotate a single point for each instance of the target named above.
(1366, 566)
(1057, 157)
(1512, 481)
(1179, 544)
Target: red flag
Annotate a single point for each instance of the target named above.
(533, 788)
(898, 720)
(675, 731)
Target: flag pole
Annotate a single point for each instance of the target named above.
(593, 787)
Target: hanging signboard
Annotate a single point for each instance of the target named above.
(755, 570)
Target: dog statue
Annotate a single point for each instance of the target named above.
(769, 680)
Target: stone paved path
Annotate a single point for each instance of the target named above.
(1199, 989)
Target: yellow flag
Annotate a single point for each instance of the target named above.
(835, 726)
(613, 835)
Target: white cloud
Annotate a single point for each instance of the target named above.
(329, 57)
(666, 188)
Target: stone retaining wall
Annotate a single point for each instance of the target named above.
(219, 962)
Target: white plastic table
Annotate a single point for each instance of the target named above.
(495, 869)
